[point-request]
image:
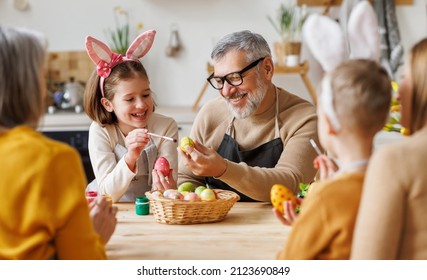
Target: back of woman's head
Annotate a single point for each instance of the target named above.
(418, 68)
(92, 96)
(362, 95)
(22, 61)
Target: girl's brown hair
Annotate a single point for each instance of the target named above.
(92, 96)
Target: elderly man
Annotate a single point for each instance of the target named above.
(254, 134)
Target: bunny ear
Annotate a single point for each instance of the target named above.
(97, 50)
(325, 39)
(363, 35)
(141, 45)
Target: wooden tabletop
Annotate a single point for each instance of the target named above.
(250, 231)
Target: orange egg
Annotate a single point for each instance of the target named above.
(279, 194)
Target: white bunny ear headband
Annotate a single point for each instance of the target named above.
(331, 45)
(105, 60)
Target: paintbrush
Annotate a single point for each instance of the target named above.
(316, 148)
(161, 136)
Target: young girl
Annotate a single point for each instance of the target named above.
(119, 100)
(353, 106)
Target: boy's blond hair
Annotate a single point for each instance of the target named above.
(361, 92)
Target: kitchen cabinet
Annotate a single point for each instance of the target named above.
(72, 128)
(68, 120)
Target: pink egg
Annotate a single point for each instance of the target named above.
(191, 196)
(176, 196)
(162, 166)
(169, 192)
(173, 194)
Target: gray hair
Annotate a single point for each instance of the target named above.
(22, 60)
(253, 44)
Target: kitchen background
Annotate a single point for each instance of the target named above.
(178, 80)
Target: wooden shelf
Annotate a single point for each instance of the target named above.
(338, 2)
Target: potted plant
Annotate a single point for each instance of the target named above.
(288, 24)
(119, 36)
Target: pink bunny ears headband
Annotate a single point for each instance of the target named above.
(105, 60)
(331, 45)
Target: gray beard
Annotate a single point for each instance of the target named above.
(254, 100)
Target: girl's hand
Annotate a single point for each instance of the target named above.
(103, 217)
(135, 142)
(326, 166)
(161, 182)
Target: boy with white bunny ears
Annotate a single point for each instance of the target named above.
(353, 106)
(119, 100)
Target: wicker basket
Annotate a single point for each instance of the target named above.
(179, 212)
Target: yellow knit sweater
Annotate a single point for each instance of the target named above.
(43, 211)
(324, 229)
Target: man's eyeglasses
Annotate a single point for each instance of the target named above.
(234, 79)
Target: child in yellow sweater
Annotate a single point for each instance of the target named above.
(353, 106)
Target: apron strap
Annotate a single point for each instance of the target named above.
(276, 123)
(230, 128)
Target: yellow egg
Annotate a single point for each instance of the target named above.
(184, 142)
(279, 194)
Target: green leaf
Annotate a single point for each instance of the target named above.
(303, 190)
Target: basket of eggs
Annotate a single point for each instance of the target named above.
(196, 206)
(189, 204)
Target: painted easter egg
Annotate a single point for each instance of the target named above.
(162, 166)
(279, 194)
(186, 141)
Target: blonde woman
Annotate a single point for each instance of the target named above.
(392, 222)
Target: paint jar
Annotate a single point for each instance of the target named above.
(142, 205)
(91, 196)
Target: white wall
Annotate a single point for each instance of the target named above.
(177, 81)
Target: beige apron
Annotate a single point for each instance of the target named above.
(142, 181)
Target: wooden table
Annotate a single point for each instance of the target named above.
(250, 231)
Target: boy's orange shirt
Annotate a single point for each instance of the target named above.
(324, 228)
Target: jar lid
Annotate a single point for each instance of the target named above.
(92, 193)
(142, 199)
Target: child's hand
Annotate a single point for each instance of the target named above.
(326, 166)
(103, 217)
(290, 213)
(135, 142)
(161, 182)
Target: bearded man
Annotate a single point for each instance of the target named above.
(254, 135)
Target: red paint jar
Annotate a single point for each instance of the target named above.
(90, 196)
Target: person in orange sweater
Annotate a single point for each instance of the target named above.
(353, 106)
(391, 222)
(43, 209)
